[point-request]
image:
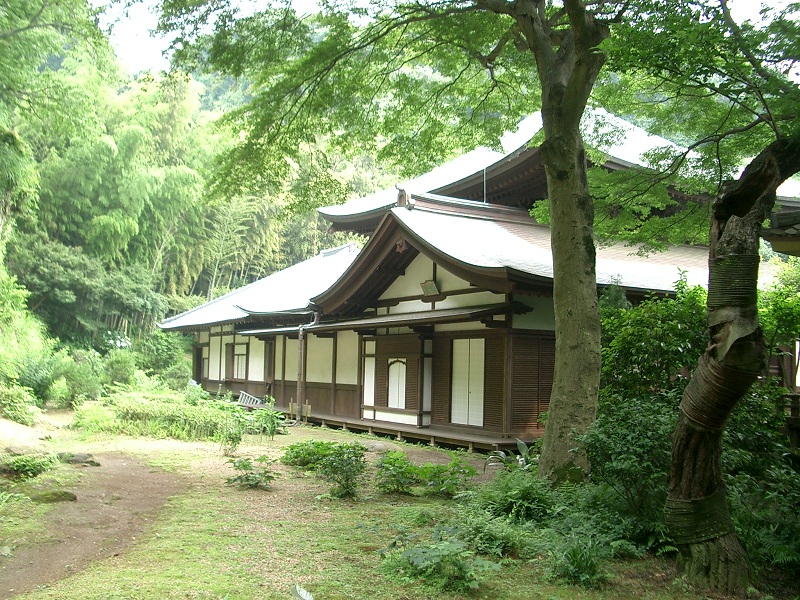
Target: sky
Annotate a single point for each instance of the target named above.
(139, 50)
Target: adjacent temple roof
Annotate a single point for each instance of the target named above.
(287, 292)
(784, 227)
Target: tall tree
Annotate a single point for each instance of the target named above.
(36, 37)
(733, 88)
(420, 81)
(18, 180)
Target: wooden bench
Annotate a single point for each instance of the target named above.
(250, 402)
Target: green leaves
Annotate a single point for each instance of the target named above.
(415, 83)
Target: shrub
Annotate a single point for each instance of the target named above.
(579, 563)
(764, 510)
(527, 459)
(119, 367)
(628, 448)
(646, 348)
(27, 466)
(229, 439)
(82, 372)
(446, 480)
(94, 417)
(307, 454)
(177, 376)
(396, 473)
(492, 535)
(58, 393)
(518, 495)
(162, 413)
(266, 421)
(37, 372)
(250, 475)
(194, 394)
(158, 351)
(344, 466)
(445, 563)
(17, 404)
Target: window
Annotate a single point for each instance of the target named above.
(397, 383)
(236, 361)
(467, 385)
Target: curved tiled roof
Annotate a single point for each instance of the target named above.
(525, 248)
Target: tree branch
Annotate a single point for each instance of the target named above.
(755, 63)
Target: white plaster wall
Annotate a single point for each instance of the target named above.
(420, 269)
(410, 306)
(278, 366)
(255, 367)
(476, 299)
(319, 359)
(202, 337)
(797, 355)
(215, 359)
(396, 417)
(347, 357)
(478, 327)
(448, 282)
(369, 381)
(427, 387)
(541, 317)
(291, 360)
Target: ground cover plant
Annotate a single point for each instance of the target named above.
(149, 408)
(504, 537)
(252, 473)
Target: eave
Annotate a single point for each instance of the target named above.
(411, 320)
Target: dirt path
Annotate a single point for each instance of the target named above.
(118, 500)
(115, 504)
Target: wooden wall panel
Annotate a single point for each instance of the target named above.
(381, 382)
(494, 384)
(547, 364)
(348, 404)
(398, 346)
(318, 395)
(440, 406)
(413, 383)
(532, 380)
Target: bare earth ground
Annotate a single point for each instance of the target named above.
(115, 502)
(118, 500)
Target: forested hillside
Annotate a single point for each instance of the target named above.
(108, 219)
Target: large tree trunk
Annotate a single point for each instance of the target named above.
(696, 512)
(568, 63)
(576, 379)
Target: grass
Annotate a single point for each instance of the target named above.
(221, 542)
(21, 520)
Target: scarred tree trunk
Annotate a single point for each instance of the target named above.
(696, 512)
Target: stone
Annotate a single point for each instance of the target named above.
(78, 459)
(53, 496)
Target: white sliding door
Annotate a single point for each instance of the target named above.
(467, 385)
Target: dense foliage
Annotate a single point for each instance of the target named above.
(629, 445)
